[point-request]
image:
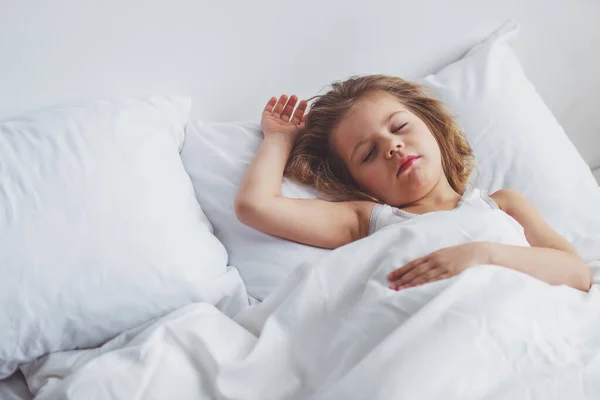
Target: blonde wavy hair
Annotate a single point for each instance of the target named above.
(314, 162)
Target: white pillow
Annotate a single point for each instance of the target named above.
(517, 141)
(99, 227)
(514, 135)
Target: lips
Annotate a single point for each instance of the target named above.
(405, 163)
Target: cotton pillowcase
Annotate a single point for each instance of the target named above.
(216, 156)
(515, 137)
(99, 227)
(517, 141)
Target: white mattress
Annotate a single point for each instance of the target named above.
(14, 388)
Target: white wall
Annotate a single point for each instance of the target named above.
(232, 55)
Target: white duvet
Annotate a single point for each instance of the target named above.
(333, 330)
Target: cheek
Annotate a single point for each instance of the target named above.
(435, 149)
(369, 176)
(430, 144)
(361, 176)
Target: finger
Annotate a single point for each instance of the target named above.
(298, 116)
(280, 104)
(398, 273)
(410, 275)
(270, 105)
(430, 276)
(289, 108)
(414, 274)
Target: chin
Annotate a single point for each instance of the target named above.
(415, 192)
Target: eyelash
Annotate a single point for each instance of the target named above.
(400, 127)
(369, 154)
(372, 151)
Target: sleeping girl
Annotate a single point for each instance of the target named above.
(384, 152)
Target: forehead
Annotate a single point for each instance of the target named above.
(365, 119)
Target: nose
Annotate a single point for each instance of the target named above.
(394, 145)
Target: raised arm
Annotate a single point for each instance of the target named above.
(259, 202)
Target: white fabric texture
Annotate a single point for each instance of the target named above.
(517, 141)
(99, 226)
(334, 330)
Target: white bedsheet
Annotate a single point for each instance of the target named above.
(333, 330)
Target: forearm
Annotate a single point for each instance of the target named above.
(265, 173)
(550, 265)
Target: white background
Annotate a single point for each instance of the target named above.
(231, 56)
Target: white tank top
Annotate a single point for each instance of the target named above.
(384, 215)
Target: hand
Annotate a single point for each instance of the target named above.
(441, 264)
(279, 116)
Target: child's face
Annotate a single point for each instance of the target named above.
(376, 152)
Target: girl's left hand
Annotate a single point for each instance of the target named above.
(441, 264)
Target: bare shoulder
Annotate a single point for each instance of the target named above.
(510, 200)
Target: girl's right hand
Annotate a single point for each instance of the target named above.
(279, 116)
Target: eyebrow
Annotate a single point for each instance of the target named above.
(385, 122)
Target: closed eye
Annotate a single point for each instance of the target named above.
(369, 155)
(400, 127)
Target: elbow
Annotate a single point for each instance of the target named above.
(586, 281)
(583, 281)
(245, 210)
(584, 287)
(250, 210)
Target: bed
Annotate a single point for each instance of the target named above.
(254, 329)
